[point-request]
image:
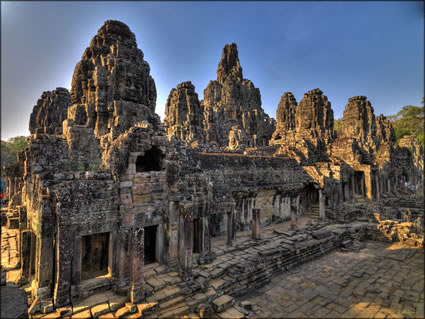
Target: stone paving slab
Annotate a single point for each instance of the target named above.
(380, 281)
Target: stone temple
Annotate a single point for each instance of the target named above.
(104, 189)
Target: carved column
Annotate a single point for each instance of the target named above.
(340, 192)
(255, 226)
(173, 235)
(76, 262)
(322, 205)
(293, 217)
(25, 255)
(137, 283)
(64, 252)
(205, 236)
(231, 227)
(186, 242)
(346, 192)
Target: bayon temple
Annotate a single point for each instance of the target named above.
(104, 189)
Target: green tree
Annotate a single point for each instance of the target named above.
(10, 148)
(409, 121)
(338, 126)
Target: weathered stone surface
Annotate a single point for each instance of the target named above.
(306, 130)
(384, 130)
(359, 120)
(232, 101)
(412, 146)
(285, 117)
(13, 303)
(184, 114)
(96, 204)
(50, 111)
(314, 117)
(360, 137)
(114, 81)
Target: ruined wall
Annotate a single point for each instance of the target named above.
(271, 184)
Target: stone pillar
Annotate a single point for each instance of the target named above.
(255, 226)
(186, 240)
(340, 192)
(231, 227)
(76, 262)
(123, 256)
(322, 205)
(205, 236)
(32, 254)
(346, 192)
(25, 255)
(293, 217)
(159, 243)
(389, 185)
(137, 282)
(64, 251)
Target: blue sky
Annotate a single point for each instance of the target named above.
(344, 48)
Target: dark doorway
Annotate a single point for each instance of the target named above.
(196, 242)
(94, 250)
(359, 180)
(151, 161)
(33, 252)
(150, 244)
(213, 225)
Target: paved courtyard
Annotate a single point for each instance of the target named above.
(379, 281)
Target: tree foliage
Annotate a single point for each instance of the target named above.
(338, 126)
(409, 121)
(10, 148)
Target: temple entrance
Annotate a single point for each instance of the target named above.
(196, 236)
(359, 183)
(150, 244)
(94, 250)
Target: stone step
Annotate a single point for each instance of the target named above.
(165, 294)
(179, 309)
(171, 302)
(222, 303)
(231, 313)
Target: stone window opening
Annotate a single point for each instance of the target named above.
(94, 256)
(150, 161)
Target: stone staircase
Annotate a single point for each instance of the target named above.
(314, 212)
(237, 270)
